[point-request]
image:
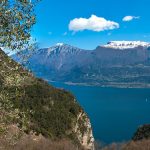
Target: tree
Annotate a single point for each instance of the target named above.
(16, 20)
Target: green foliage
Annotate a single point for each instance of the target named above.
(50, 111)
(16, 20)
(2, 129)
(35, 105)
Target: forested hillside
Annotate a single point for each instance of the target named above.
(35, 107)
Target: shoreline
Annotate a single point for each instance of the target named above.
(111, 85)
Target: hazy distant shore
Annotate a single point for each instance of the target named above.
(112, 84)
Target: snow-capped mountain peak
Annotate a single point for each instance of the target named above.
(126, 44)
(64, 49)
(59, 44)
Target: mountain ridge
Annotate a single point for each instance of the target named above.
(103, 66)
(126, 44)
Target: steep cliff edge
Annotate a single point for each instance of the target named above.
(35, 107)
(84, 131)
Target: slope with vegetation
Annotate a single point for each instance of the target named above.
(36, 108)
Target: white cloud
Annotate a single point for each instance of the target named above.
(93, 23)
(130, 18)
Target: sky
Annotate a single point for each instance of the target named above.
(89, 23)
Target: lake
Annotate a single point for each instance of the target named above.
(115, 113)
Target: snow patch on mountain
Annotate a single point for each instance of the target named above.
(126, 44)
(59, 44)
(63, 49)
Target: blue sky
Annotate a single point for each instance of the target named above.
(54, 17)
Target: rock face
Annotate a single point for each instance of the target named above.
(84, 131)
(35, 106)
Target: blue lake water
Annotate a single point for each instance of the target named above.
(115, 113)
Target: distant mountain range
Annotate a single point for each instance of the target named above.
(118, 63)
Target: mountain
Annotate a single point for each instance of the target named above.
(59, 57)
(33, 112)
(126, 44)
(119, 63)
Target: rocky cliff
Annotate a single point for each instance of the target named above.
(84, 131)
